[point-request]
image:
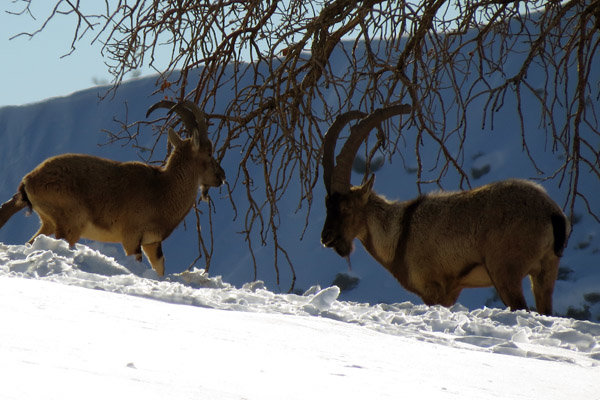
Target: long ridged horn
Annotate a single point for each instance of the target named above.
(329, 141)
(340, 179)
(200, 135)
(160, 104)
(186, 116)
(193, 118)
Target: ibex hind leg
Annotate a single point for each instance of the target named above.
(155, 255)
(47, 228)
(542, 283)
(62, 224)
(68, 226)
(70, 234)
(508, 281)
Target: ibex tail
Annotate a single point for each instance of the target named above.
(561, 233)
(18, 202)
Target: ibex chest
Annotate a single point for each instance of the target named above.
(380, 239)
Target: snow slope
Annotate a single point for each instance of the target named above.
(192, 337)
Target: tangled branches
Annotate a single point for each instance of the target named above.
(289, 67)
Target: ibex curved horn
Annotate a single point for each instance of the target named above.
(337, 178)
(192, 116)
(329, 141)
(200, 134)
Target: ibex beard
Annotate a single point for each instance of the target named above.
(82, 196)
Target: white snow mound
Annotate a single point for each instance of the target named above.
(521, 334)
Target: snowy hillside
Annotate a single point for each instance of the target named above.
(194, 337)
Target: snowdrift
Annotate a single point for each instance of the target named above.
(500, 331)
(77, 324)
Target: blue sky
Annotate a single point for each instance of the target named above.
(32, 69)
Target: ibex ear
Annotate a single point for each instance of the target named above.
(174, 138)
(366, 188)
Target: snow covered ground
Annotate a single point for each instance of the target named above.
(190, 336)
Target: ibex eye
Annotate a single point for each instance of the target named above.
(345, 208)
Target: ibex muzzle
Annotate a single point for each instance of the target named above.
(438, 244)
(341, 221)
(138, 205)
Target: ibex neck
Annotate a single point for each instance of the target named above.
(181, 183)
(381, 229)
(387, 231)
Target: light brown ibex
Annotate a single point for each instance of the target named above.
(82, 196)
(440, 243)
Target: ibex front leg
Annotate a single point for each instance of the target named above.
(133, 246)
(155, 255)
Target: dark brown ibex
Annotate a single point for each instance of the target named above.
(82, 196)
(440, 243)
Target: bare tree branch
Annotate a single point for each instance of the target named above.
(274, 58)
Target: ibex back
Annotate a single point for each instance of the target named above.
(82, 196)
(438, 244)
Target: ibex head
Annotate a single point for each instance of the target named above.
(199, 146)
(345, 218)
(344, 202)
